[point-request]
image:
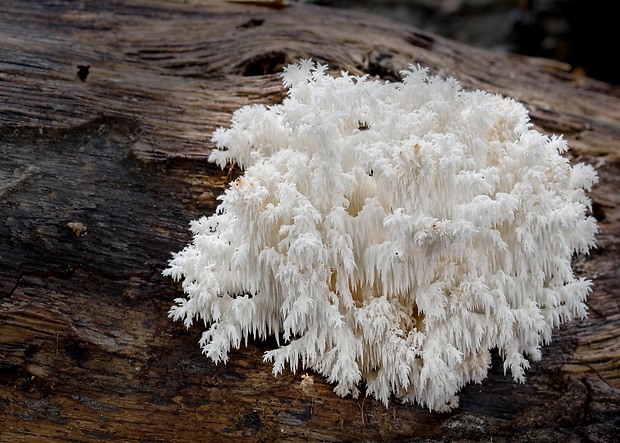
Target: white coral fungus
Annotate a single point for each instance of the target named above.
(389, 233)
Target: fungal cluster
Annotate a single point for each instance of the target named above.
(390, 234)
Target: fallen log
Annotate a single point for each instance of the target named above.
(106, 113)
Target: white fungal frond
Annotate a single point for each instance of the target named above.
(389, 233)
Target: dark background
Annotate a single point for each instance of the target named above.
(581, 33)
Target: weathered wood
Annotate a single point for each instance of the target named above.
(106, 111)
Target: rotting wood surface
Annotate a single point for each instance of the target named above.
(106, 111)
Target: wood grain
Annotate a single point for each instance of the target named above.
(106, 113)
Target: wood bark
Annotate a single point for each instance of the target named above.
(106, 113)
